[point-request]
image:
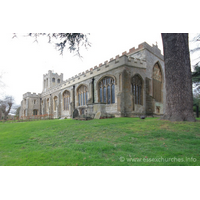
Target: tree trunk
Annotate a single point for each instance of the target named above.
(179, 99)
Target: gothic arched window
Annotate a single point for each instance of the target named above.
(82, 95)
(66, 100)
(136, 86)
(157, 82)
(107, 90)
(47, 106)
(55, 102)
(35, 112)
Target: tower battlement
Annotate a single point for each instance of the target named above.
(51, 79)
(34, 95)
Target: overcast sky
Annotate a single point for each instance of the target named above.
(23, 61)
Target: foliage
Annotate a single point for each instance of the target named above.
(196, 78)
(196, 73)
(72, 40)
(105, 142)
(195, 40)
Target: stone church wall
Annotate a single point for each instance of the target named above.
(122, 70)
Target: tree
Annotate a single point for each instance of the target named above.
(196, 72)
(196, 78)
(72, 40)
(179, 99)
(5, 106)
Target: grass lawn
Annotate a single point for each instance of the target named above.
(110, 142)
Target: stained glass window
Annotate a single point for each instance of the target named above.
(136, 83)
(104, 94)
(55, 102)
(107, 90)
(157, 82)
(83, 95)
(100, 93)
(84, 98)
(34, 112)
(113, 93)
(66, 96)
(109, 95)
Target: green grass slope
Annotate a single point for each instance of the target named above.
(110, 142)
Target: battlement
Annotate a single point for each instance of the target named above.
(34, 95)
(50, 72)
(154, 49)
(51, 79)
(113, 63)
(119, 60)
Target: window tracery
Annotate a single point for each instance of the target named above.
(136, 87)
(55, 102)
(107, 90)
(82, 95)
(157, 82)
(66, 100)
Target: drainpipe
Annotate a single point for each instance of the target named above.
(74, 97)
(40, 106)
(51, 104)
(93, 89)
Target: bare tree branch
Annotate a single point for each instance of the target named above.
(71, 40)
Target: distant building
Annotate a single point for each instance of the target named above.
(129, 85)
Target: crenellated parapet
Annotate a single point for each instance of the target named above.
(34, 95)
(113, 63)
(125, 59)
(153, 49)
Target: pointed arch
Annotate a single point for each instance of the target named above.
(47, 105)
(157, 82)
(137, 87)
(82, 94)
(66, 99)
(104, 76)
(106, 89)
(55, 103)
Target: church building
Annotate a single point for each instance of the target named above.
(129, 85)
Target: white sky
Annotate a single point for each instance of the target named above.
(114, 27)
(24, 62)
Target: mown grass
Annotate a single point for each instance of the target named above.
(110, 142)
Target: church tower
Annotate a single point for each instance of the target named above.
(51, 79)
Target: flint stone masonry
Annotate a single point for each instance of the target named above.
(120, 98)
